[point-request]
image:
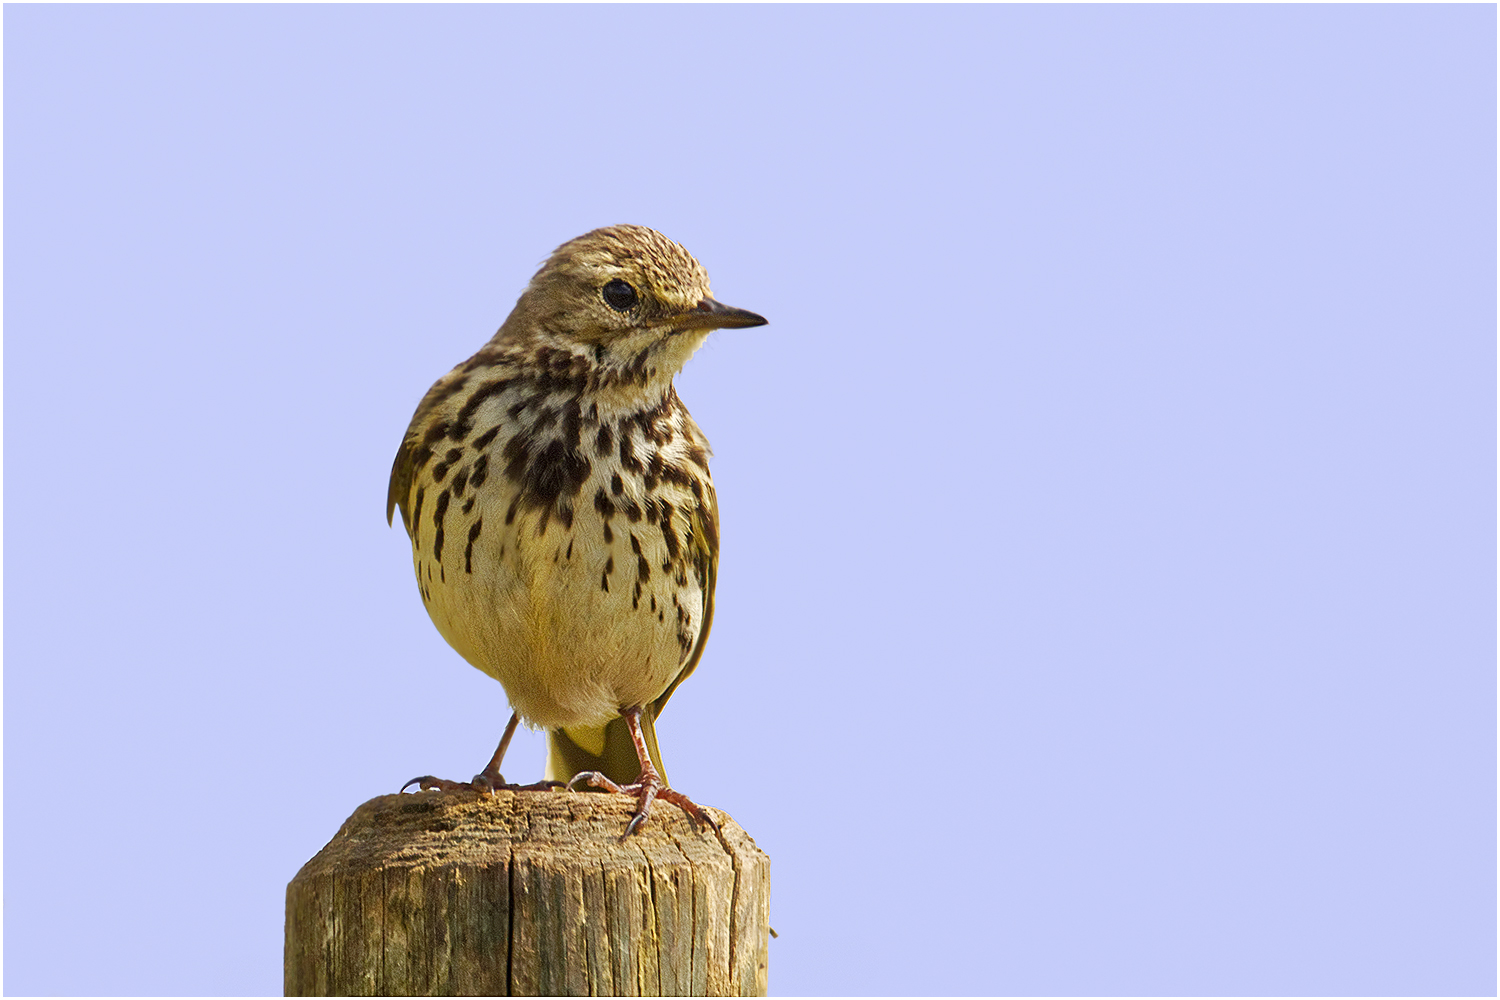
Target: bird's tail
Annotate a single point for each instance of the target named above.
(607, 749)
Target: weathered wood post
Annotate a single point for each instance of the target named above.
(525, 894)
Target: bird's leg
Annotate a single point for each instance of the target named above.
(491, 777)
(489, 780)
(648, 787)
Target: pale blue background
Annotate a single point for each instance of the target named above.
(1107, 598)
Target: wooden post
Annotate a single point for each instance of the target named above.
(526, 894)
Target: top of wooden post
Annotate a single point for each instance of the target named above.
(528, 893)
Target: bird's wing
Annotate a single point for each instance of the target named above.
(421, 436)
(402, 470)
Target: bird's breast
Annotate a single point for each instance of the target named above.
(555, 547)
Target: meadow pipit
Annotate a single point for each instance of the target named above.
(563, 523)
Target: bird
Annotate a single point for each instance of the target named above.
(563, 523)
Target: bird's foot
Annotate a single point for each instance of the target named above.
(487, 781)
(647, 789)
(484, 783)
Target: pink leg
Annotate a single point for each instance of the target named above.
(489, 780)
(648, 787)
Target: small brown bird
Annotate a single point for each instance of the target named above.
(564, 527)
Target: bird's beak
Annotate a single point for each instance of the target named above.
(711, 314)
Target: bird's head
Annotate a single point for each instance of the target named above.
(630, 294)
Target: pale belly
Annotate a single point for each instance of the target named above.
(562, 617)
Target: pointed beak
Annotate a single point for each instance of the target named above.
(711, 314)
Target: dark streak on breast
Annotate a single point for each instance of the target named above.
(437, 522)
(469, 548)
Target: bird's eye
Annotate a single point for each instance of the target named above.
(619, 295)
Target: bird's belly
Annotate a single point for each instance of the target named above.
(560, 615)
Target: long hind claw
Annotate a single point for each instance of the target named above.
(427, 783)
(481, 783)
(598, 780)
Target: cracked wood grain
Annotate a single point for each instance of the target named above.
(526, 894)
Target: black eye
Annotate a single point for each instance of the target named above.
(620, 295)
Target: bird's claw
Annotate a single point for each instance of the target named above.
(481, 783)
(597, 779)
(428, 783)
(646, 790)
